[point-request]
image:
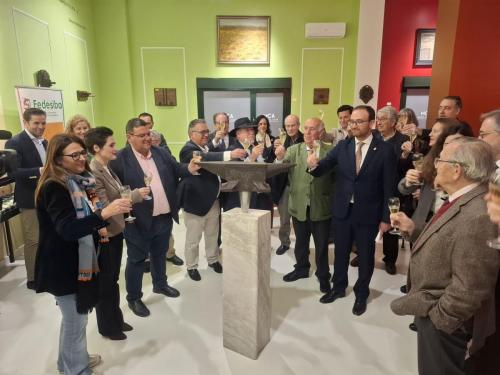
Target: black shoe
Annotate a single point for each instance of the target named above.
(282, 249)
(30, 285)
(325, 286)
(175, 260)
(147, 266)
(331, 296)
(390, 268)
(116, 337)
(404, 289)
(167, 291)
(216, 266)
(194, 274)
(355, 261)
(413, 327)
(359, 307)
(295, 275)
(126, 327)
(139, 308)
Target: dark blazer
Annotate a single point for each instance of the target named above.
(211, 146)
(197, 194)
(129, 171)
(371, 188)
(56, 267)
(28, 169)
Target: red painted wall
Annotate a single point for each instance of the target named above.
(401, 20)
(475, 73)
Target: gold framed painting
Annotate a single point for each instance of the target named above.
(243, 40)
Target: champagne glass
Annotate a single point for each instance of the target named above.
(418, 162)
(393, 203)
(246, 144)
(316, 147)
(282, 136)
(197, 159)
(126, 193)
(494, 193)
(148, 177)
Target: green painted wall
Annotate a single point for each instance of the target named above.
(124, 29)
(55, 35)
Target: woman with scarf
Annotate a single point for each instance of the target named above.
(70, 215)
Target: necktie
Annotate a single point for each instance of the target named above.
(359, 156)
(222, 144)
(447, 204)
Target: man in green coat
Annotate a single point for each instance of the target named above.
(309, 204)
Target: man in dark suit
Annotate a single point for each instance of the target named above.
(387, 118)
(30, 146)
(453, 272)
(219, 139)
(150, 232)
(198, 196)
(365, 175)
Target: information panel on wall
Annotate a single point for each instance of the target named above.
(49, 100)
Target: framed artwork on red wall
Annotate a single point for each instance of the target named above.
(424, 47)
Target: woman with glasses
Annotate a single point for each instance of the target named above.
(101, 144)
(70, 215)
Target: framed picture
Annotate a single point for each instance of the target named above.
(321, 96)
(424, 47)
(243, 40)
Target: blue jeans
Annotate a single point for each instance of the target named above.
(73, 357)
(139, 245)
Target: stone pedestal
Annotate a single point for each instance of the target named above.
(246, 239)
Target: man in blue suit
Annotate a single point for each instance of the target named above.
(150, 232)
(365, 173)
(30, 147)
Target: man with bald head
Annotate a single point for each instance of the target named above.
(309, 204)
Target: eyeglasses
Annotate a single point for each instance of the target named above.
(356, 122)
(148, 134)
(202, 132)
(438, 160)
(77, 155)
(382, 118)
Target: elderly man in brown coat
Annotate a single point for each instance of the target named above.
(452, 271)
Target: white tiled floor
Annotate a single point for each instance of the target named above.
(183, 336)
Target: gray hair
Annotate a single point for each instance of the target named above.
(294, 117)
(391, 113)
(155, 134)
(195, 122)
(475, 157)
(495, 115)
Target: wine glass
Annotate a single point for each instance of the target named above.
(393, 203)
(418, 162)
(246, 144)
(494, 195)
(197, 159)
(126, 193)
(316, 147)
(282, 136)
(148, 177)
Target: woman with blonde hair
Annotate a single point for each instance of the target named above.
(78, 125)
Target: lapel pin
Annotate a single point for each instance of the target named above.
(374, 149)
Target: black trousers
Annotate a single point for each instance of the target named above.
(108, 312)
(303, 231)
(390, 247)
(440, 353)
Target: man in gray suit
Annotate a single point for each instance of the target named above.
(452, 271)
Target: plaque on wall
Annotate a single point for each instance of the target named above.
(321, 96)
(165, 97)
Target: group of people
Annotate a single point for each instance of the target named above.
(80, 198)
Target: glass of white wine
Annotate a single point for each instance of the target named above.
(197, 159)
(393, 203)
(126, 193)
(418, 162)
(494, 195)
(246, 144)
(316, 147)
(148, 177)
(282, 136)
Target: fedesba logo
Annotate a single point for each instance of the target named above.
(46, 104)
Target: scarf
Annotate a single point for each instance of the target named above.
(81, 189)
(263, 138)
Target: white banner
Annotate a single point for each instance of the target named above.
(49, 100)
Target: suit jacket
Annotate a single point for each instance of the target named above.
(107, 187)
(452, 270)
(129, 171)
(425, 204)
(219, 148)
(28, 169)
(197, 194)
(371, 188)
(305, 190)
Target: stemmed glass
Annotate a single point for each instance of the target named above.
(494, 195)
(282, 136)
(246, 144)
(316, 147)
(418, 162)
(148, 177)
(393, 203)
(126, 193)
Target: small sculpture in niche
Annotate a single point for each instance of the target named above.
(42, 79)
(366, 93)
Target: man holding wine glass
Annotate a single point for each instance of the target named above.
(150, 232)
(452, 271)
(219, 139)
